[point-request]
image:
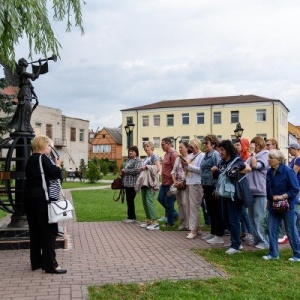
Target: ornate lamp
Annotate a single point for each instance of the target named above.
(238, 131)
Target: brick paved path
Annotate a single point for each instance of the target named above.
(104, 252)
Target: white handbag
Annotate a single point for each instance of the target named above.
(60, 210)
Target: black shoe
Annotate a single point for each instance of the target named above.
(55, 271)
(35, 268)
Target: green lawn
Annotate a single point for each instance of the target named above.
(101, 206)
(248, 275)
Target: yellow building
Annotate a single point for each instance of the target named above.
(188, 118)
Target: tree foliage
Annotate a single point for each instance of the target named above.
(30, 18)
(5, 106)
(93, 173)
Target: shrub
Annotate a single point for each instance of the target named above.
(93, 173)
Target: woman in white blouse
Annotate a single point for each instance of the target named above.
(194, 187)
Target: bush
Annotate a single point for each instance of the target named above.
(93, 173)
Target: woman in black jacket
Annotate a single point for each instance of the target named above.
(42, 234)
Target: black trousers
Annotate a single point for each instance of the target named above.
(42, 235)
(214, 209)
(130, 196)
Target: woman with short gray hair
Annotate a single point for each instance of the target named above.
(282, 184)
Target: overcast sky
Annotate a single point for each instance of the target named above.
(136, 52)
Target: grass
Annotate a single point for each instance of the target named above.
(102, 207)
(3, 214)
(248, 277)
(78, 184)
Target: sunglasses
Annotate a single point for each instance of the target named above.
(268, 145)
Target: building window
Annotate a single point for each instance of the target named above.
(200, 118)
(145, 121)
(261, 115)
(81, 135)
(49, 131)
(156, 120)
(170, 120)
(217, 118)
(38, 129)
(263, 136)
(185, 138)
(73, 134)
(101, 148)
(199, 137)
(234, 117)
(185, 119)
(156, 142)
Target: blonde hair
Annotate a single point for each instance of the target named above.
(148, 143)
(40, 143)
(277, 154)
(195, 143)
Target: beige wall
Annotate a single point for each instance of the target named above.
(276, 124)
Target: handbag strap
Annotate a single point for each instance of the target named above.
(43, 178)
(228, 167)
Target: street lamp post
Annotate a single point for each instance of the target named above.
(238, 132)
(129, 129)
(175, 140)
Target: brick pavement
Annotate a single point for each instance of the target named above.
(105, 252)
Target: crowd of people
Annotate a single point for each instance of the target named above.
(256, 168)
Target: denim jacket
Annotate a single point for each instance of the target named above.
(284, 181)
(210, 159)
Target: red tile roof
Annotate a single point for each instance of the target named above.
(205, 102)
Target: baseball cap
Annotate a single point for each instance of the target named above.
(293, 145)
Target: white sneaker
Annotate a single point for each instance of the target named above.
(261, 246)
(163, 219)
(229, 246)
(269, 257)
(208, 237)
(154, 226)
(191, 235)
(216, 240)
(128, 221)
(232, 251)
(145, 224)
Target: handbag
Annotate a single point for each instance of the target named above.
(121, 195)
(117, 184)
(281, 206)
(182, 185)
(224, 187)
(60, 210)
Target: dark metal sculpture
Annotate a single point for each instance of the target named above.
(18, 145)
(19, 77)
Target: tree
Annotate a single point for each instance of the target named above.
(82, 167)
(5, 106)
(30, 18)
(93, 173)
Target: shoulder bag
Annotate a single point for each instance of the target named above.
(225, 188)
(117, 184)
(60, 210)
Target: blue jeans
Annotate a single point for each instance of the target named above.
(234, 218)
(167, 203)
(289, 218)
(256, 213)
(246, 226)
